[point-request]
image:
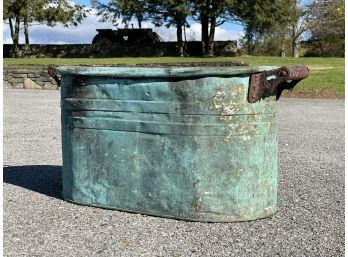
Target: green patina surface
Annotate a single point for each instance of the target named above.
(172, 142)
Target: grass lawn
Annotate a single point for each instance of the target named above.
(326, 74)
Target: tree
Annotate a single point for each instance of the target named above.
(160, 12)
(326, 19)
(261, 20)
(210, 14)
(255, 15)
(272, 42)
(323, 19)
(171, 13)
(298, 24)
(125, 9)
(48, 12)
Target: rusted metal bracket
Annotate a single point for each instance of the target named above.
(273, 82)
(53, 73)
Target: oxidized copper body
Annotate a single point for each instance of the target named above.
(177, 142)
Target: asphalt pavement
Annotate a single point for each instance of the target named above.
(37, 222)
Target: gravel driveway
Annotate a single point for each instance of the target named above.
(37, 222)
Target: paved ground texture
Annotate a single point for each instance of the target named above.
(37, 222)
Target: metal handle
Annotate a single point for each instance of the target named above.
(53, 73)
(273, 82)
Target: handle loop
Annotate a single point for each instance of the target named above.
(53, 73)
(273, 82)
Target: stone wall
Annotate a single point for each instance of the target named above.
(31, 78)
(193, 48)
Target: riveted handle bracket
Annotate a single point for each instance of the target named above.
(273, 82)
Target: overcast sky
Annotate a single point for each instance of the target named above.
(84, 32)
